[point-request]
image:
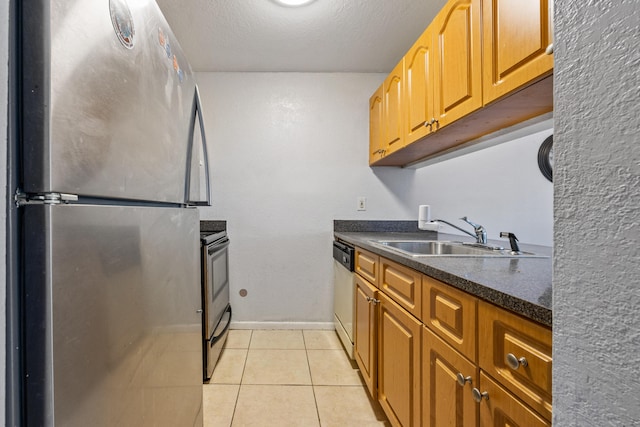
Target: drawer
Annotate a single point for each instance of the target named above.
(402, 284)
(451, 315)
(503, 409)
(503, 336)
(366, 265)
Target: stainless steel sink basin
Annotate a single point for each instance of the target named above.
(434, 248)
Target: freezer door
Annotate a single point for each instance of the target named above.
(113, 320)
(108, 100)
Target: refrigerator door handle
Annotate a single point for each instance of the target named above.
(197, 128)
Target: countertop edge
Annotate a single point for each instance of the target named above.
(528, 309)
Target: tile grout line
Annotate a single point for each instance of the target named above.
(235, 406)
(313, 389)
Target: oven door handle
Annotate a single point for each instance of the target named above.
(218, 246)
(215, 339)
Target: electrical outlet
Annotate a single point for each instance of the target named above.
(362, 203)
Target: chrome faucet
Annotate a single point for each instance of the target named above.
(480, 232)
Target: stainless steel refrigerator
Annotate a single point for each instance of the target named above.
(113, 161)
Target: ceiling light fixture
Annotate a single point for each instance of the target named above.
(293, 3)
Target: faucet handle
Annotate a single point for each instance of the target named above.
(474, 225)
(513, 240)
(481, 233)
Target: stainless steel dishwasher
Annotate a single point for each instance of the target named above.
(343, 296)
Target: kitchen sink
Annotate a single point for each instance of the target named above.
(440, 248)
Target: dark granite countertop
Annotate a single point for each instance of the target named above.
(213, 225)
(522, 285)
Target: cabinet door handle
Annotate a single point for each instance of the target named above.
(462, 380)
(549, 50)
(478, 396)
(375, 301)
(514, 363)
(431, 123)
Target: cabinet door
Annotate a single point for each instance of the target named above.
(444, 401)
(365, 332)
(458, 72)
(399, 336)
(516, 35)
(517, 352)
(418, 88)
(392, 108)
(501, 409)
(376, 148)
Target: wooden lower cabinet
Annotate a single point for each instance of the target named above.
(413, 365)
(399, 336)
(365, 329)
(503, 336)
(402, 284)
(366, 264)
(444, 401)
(502, 409)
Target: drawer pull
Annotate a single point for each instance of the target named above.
(478, 396)
(514, 363)
(462, 380)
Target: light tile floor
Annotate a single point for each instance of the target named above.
(287, 378)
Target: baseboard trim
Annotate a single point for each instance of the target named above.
(282, 325)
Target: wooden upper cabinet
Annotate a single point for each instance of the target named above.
(376, 146)
(418, 88)
(479, 67)
(516, 35)
(458, 71)
(392, 110)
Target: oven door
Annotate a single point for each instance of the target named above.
(215, 298)
(215, 292)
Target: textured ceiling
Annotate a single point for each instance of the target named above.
(325, 36)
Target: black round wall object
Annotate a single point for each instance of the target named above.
(545, 158)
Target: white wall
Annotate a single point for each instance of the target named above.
(500, 187)
(596, 276)
(4, 60)
(289, 155)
